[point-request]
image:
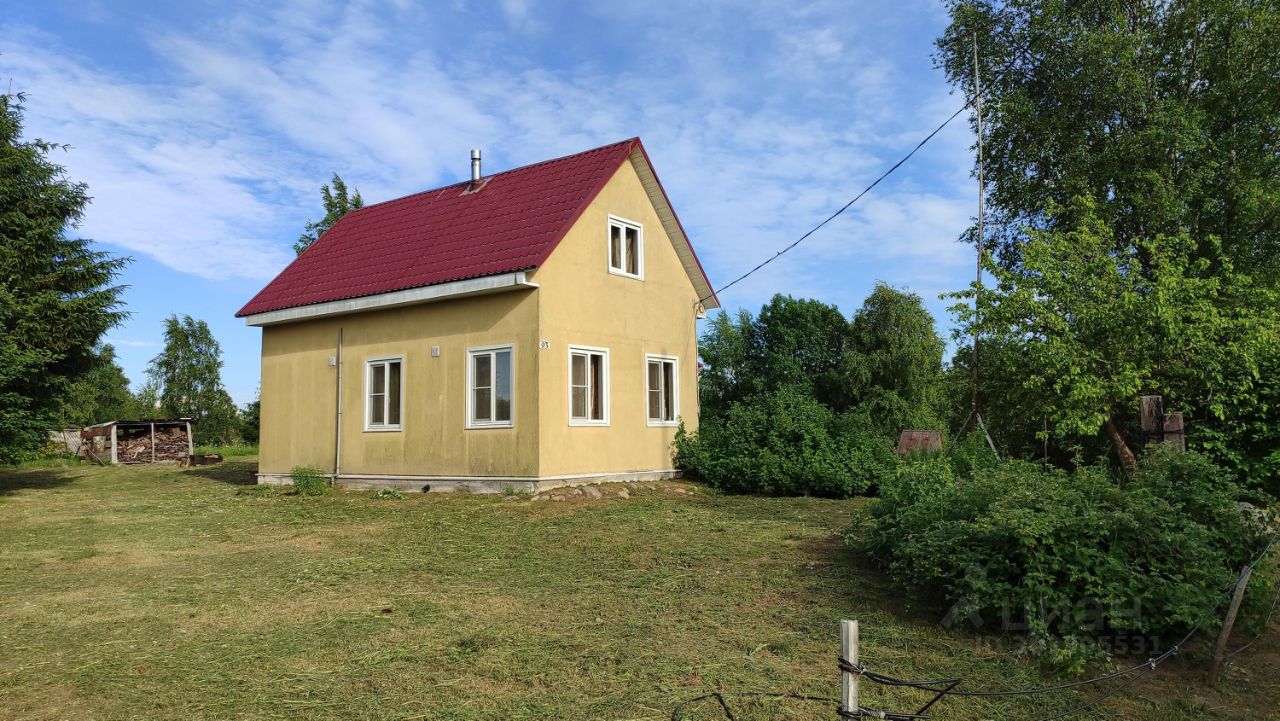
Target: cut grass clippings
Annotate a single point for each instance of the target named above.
(166, 593)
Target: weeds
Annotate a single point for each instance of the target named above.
(310, 481)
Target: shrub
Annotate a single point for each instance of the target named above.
(389, 494)
(970, 453)
(785, 443)
(1064, 556)
(310, 481)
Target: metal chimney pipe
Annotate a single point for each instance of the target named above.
(475, 168)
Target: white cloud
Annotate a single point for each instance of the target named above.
(211, 165)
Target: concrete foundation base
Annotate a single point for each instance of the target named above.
(475, 484)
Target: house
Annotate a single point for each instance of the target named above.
(527, 329)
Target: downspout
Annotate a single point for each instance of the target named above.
(337, 438)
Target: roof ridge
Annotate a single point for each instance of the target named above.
(438, 188)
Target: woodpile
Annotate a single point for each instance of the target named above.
(135, 445)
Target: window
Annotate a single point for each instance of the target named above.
(626, 248)
(383, 404)
(588, 386)
(489, 397)
(662, 391)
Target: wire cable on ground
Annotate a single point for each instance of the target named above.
(941, 688)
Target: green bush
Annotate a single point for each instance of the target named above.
(785, 443)
(310, 481)
(389, 494)
(1064, 556)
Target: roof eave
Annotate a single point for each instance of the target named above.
(485, 285)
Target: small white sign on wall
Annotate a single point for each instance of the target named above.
(544, 344)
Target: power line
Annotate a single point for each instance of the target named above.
(1008, 67)
(843, 208)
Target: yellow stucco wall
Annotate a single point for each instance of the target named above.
(299, 390)
(583, 304)
(578, 302)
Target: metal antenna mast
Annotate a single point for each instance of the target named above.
(977, 105)
(974, 413)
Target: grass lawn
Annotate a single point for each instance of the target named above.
(158, 593)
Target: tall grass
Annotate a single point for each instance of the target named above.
(239, 449)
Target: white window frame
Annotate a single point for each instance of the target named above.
(608, 247)
(493, 396)
(675, 390)
(369, 363)
(604, 396)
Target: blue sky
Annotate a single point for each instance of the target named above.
(205, 131)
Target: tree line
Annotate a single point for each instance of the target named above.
(59, 296)
(1133, 248)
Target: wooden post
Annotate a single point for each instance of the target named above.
(1220, 651)
(1175, 431)
(153, 442)
(191, 446)
(1151, 413)
(849, 681)
(114, 458)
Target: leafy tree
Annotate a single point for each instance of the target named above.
(250, 421)
(1016, 419)
(146, 402)
(56, 293)
(1163, 118)
(725, 352)
(1165, 113)
(188, 373)
(101, 394)
(895, 361)
(1097, 325)
(793, 343)
(337, 203)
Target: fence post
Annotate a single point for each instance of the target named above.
(1220, 651)
(848, 680)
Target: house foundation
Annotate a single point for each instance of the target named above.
(493, 484)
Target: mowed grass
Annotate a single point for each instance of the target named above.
(163, 593)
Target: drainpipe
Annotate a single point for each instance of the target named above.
(337, 439)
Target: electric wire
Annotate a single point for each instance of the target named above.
(946, 687)
(1008, 67)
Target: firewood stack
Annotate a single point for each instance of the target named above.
(171, 445)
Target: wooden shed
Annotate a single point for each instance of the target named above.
(144, 441)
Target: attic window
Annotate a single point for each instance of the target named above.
(626, 248)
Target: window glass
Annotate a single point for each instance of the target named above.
(597, 387)
(578, 385)
(668, 387)
(482, 405)
(491, 388)
(655, 390)
(588, 385)
(383, 394)
(633, 251)
(502, 386)
(626, 248)
(661, 387)
(615, 247)
(393, 393)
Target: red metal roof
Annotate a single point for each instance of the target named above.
(436, 236)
